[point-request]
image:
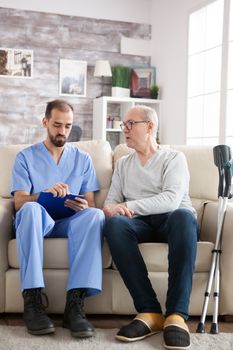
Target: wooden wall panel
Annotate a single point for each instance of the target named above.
(53, 37)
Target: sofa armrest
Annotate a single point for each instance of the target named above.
(6, 214)
(208, 233)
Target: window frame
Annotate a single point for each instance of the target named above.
(222, 137)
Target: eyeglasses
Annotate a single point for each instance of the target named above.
(129, 124)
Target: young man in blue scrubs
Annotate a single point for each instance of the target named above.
(58, 168)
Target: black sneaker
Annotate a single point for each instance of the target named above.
(74, 316)
(35, 317)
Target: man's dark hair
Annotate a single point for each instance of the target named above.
(61, 105)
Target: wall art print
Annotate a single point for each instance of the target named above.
(16, 63)
(73, 78)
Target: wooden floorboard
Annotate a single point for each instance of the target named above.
(114, 321)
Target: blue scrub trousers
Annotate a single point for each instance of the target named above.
(178, 229)
(84, 232)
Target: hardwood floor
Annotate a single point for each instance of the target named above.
(116, 321)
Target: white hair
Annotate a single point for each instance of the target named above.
(150, 114)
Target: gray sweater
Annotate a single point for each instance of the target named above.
(160, 186)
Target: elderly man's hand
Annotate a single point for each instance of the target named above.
(117, 209)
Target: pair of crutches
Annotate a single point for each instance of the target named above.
(222, 159)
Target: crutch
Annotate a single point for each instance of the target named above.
(222, 159)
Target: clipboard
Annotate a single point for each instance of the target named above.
(55, 205)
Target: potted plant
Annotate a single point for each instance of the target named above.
(154, 90)
(121, 77)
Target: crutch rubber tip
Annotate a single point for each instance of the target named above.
(200, 328)
(214, 328)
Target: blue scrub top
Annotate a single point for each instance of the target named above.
(35, 170)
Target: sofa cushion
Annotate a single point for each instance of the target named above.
(120, 151)
(55, 254)
(155, 256)
(199, 205)
(100, 152)
(7, 156)
(203, 172)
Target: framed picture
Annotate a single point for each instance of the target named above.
(16, 63)
(73, 78)
(141, 80)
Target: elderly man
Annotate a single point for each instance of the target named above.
(148, 201)
(58, 169)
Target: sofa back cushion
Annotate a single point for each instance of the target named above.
(7, 157)
(203, 172)
(100, 152)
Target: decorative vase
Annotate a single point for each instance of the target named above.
(154, 95)
(120, 92)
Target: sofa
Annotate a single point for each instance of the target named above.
(115, 298)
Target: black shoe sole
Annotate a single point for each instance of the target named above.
(84, 334)
(176, 347)
(128, 340)
(79, 334)
(44, 331)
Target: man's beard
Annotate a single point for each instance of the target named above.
(56, 142)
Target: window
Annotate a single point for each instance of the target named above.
(210, 75)
(229, 106)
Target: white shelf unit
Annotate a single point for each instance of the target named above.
(101, 110)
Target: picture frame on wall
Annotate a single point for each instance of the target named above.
(73, 78)
(141, 80)
(16, 63)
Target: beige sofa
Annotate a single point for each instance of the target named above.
(115, 298)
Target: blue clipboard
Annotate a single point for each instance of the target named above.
(55, 205)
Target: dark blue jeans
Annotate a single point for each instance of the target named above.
(178, 229)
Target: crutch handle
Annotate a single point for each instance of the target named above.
(222, 155)
(222, 159)
(228, 175)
